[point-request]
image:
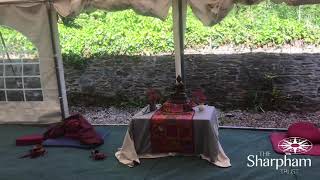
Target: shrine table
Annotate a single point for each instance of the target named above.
(137, 141)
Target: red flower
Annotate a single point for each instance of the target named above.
(198, 96)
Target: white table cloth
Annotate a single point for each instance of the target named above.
(137, 143)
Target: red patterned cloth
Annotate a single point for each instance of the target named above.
(75, 127)
(169, 107)
(172, 132)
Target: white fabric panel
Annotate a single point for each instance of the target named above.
(111, 5)
(156, 8)
(63, 7)
(211, 12)
(32, 21)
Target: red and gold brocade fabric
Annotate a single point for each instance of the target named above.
(172, 132)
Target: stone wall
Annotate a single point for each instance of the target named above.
(288, 81)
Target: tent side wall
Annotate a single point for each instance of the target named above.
(32, 20)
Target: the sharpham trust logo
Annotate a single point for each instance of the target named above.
(295, 145)
(286, 164)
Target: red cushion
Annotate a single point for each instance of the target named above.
(29, 140)
(305, 130)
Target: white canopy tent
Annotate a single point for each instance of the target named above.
(37, 20)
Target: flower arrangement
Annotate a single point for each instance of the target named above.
(153, 97)
(199, 98)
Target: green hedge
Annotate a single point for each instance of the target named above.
(15, 42)
(126, 33)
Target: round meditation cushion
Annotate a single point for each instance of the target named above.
(305, 130)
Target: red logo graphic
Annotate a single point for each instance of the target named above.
(295, 145)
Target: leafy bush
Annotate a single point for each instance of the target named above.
(126, 33)
(16, 42)
(101, 33)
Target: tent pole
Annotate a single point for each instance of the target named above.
(52, 15)
(179, 11)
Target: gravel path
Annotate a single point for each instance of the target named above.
(105, 115)
(271, 119)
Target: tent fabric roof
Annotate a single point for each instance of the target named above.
(210, 12)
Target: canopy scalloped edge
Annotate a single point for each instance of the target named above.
(210, 12)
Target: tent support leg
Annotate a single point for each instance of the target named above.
(52, 15)
(179, 11)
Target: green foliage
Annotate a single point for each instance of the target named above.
(121, 33)
(126, 33)
(101, 33)
(16, 43)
